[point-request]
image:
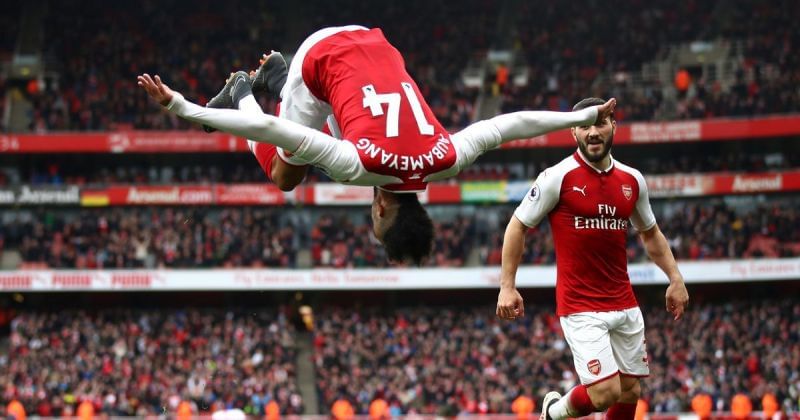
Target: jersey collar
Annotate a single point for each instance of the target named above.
(582, 160)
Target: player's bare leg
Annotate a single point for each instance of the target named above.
(625, 407)
(604, 394)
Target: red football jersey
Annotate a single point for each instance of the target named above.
(378, 107)
(589, 213)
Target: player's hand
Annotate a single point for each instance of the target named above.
(677, 298)
(157, 89)
(509, 304)
(604, 111)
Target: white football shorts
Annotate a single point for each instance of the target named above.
(606, 343)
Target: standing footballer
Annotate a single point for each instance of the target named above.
(590, 199)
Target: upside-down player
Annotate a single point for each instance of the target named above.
(391, 138)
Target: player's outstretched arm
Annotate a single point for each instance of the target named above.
(262, 128)
(486, 135)
(527, 124)
(312, 145)
(657, 248)
(509, 302)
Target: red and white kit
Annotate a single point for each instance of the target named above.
(356, 75)
(590, 212)
(354, 79)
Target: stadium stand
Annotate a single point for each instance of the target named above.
(167, 168)
(462, 360)
(561, 60)
(175, 237)
(436, 359)
(153, 238)
(704, 230)
(728, 199)
(145, 362)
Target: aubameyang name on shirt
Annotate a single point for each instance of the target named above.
(405, 162)
(605, 220)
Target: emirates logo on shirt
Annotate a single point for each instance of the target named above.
(594, 367)
(627, 191)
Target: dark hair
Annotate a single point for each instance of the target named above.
(410, 238)
(587, 102)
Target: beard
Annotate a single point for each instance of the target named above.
(583, 145)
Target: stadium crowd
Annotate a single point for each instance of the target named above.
(153, 238)
(202, 237)
(696, 231)
(458, 361)
(73, 169)
(426, 360)
(563, 66)
(139, 362)
(196, 57)
(563, 60)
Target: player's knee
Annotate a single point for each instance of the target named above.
(635, 387)
(607, 399)
(631, 389)
(605, 394)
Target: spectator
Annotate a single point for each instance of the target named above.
(379, 409)
(342, 410)
(523, 407)
(272, 411)
(15, 410)
(702, 406)
(741, 406)
(769, 405)
(642, 407)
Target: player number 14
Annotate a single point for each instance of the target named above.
(374, 101)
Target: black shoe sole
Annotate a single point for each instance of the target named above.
(271, 76)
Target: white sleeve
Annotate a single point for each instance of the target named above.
(540, 200)
(295, 160)
(642, 217)
(482, 136)
(313, 146)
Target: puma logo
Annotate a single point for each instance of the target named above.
(580, 190)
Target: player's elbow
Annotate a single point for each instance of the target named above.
(287, 177)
